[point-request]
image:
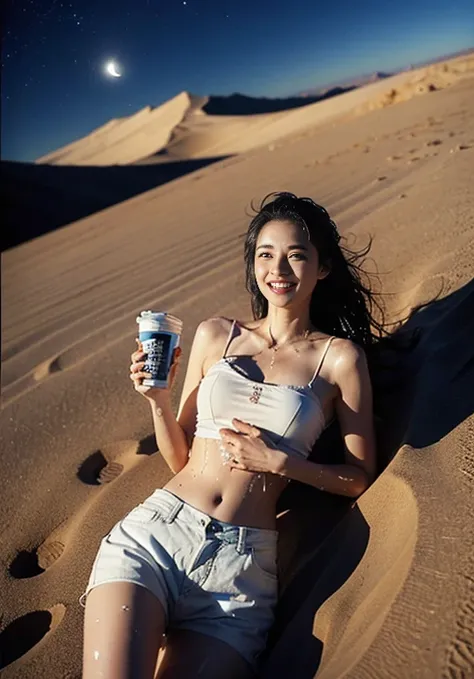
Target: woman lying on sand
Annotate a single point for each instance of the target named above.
(197, 559)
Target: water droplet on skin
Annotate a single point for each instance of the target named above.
(125, 608)
(206, 455)
(251, 484)
(225, 455)
(97, 620)
(96, 655)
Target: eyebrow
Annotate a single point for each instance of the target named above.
(296, 246)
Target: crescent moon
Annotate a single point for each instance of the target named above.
(111, 69)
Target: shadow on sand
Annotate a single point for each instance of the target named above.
(37, 199)
(322, 537)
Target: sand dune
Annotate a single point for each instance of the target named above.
(428, 79)
(380, 588)
(128, 139)
(180, 129)
(129, 156)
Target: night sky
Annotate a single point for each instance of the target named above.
(55, 89)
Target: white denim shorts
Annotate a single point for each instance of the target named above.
(210, 576)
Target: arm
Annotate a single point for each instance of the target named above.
(354, 412)
(174, 434)
(170, 436)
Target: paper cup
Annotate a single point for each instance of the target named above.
(160, 333)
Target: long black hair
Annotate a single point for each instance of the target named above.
(342, 303)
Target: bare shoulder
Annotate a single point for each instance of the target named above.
(348, 359)
(219, 327)
(213, 328)
(212, 333)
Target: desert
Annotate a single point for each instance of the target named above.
(381, 587)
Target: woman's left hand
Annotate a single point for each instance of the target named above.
(250, 450)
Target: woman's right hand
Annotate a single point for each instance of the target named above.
(137, 375)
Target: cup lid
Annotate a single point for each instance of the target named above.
(161, 317)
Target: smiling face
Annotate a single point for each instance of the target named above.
(287, 266)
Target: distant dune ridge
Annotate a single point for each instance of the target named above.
(131, 155)
(429, 79)
(181, 129)
(350, 83)
(183, 135)
(126, 140)
(380, 588)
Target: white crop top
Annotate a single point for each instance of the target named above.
(291, 416)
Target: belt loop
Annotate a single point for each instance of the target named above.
(175, 511)
(242, 539)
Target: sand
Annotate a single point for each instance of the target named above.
(180, 129)
(382, 587)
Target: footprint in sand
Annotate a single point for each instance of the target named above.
(101, 467)
(460, 147)
(106, 464)
(24, 633)
(47, 368)
(30, 563)
(110, 472)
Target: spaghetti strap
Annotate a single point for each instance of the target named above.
(316, 373)
(229, 338)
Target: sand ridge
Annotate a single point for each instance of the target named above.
(128, 139)
(180, 129)
(387, 590)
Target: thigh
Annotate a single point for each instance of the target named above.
(123, 629)
(189, 654)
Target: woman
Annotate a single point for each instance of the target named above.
(197, 559)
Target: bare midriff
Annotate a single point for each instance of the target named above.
(232, 495)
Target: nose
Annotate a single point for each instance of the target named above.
(280, 266)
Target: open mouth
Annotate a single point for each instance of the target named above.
(281, 288)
